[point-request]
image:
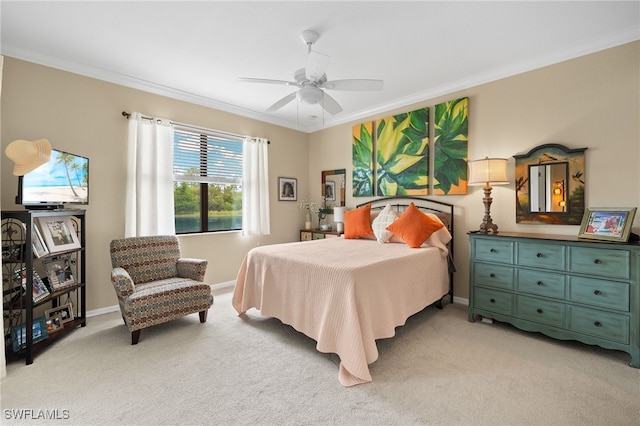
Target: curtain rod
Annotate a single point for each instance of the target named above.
(127, 115)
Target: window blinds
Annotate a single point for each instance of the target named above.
(207, 157)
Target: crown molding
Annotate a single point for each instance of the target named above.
(623, 37)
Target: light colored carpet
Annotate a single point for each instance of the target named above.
(438, 369)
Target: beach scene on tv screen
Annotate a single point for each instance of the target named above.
(63, 179)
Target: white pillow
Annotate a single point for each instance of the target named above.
(386, 217)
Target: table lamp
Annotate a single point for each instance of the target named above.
(338, 218)
(487, 172)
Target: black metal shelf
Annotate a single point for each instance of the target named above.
(17, 228)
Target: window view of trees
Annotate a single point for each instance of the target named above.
(207, 183)
(224, 207)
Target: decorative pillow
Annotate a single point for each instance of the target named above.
(386, 217)
(357, 222)
(414, 227)
(439, 239)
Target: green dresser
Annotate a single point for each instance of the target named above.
(561, 286)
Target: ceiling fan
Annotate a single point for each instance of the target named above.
(312, 81)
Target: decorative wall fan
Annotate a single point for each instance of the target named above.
(312, 81)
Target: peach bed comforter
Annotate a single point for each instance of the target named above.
(344, 294)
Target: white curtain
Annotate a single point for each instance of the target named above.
(255, 187)
(149, 202)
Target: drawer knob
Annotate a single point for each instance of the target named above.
(539, 255)
(492, 300)
(539, 310)
(540, 283)
(492, 275)
(597, 292)
(597, 324)
(597, 261)
(493, 251)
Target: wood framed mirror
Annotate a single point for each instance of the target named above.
(333, 182)
(550, 181)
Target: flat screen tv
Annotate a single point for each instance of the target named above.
(64, 179)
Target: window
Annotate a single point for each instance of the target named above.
(207, 176)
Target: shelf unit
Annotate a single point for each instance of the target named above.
(17, 229)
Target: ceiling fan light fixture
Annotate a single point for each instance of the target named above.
(310, 95)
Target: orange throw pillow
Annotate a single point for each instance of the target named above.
(357, 223)
(414, 227)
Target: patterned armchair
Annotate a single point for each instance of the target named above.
(154, 284)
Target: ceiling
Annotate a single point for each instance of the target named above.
(196, 51)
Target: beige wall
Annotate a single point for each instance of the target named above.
(590, 102)
(83, 115)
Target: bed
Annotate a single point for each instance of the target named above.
(347, 292)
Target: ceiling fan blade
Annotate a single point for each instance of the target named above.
(317, 64)
(330, 104)
(282, 102)
(267, 81)
(353, 84)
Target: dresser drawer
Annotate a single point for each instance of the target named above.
(547, 256)
(494, 250)
(547, 284)
(609, 263)
(493, 300)
(608, 294)
(491, 275)
(540, 310)
(600, 324)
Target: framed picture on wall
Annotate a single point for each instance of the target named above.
(59, 233)
(610, 224)
(287, 189)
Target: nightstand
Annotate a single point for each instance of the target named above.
(316, 234)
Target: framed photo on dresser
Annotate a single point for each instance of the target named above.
(609, 224)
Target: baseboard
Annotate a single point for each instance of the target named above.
(223, 286)
(461, 300)
(102, 311)
(219, 288)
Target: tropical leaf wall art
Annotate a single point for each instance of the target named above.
(362, 157)
(402, 154)
(451, 147)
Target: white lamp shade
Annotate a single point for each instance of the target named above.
(338, 214)
(488, 170)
